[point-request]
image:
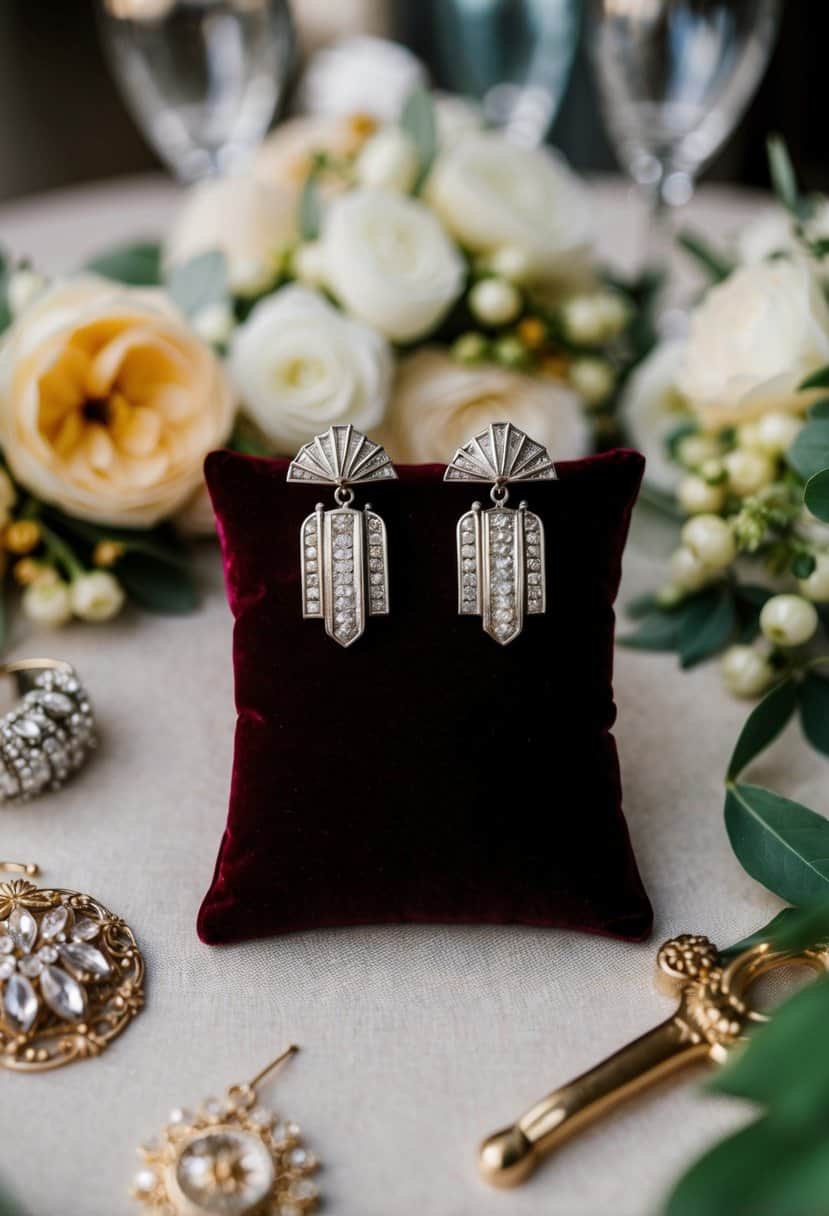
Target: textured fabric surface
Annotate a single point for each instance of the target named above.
(412, 777)
(417, 1040)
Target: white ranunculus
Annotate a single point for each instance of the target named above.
(388, 160)
(300, 366)
(390, 263)
(651, 408)
(752, 341)
(97, 596)
(249, 221)
(438, 403)
(491, 193)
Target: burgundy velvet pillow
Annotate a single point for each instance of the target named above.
(425, 773)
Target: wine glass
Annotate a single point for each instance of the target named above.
(514, 55)
(674, 78)
(201, 77)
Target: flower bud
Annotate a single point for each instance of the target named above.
(97, 596)
(47, 603)
(788, 620)
(22, 537)
(470, 348)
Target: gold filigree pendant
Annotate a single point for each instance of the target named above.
(231, 1157)
(71, 975)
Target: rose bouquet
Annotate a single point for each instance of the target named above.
(417, 279)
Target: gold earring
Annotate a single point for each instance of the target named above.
(71, 975)
(231, 1158)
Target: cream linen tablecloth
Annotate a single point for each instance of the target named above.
(417, 1041)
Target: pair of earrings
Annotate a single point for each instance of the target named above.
(500, 549)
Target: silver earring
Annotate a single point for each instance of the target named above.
(344, 552)
(501, 572)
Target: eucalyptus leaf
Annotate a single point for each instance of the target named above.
(818, 379)
(820, 409)
(816, 495)
(138, 265)
(418, 121)
(200, 283)
(708, 624)
(770, 932)
(813, 696)
(800, 928)
(762, 726)
(659, 630)
(310, 209)
(158, 586)
(641, 605)
(716, 264)
(809, 454)
(780, 843)
(159, 543)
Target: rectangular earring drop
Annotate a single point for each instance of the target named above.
(501, 564)
(343, 550)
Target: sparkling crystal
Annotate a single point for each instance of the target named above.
(48, 954)
(83, 959)
(303, 1189)
(374, 525)
(53, 923)
(22, 928)
(313, 593)
(180, 1116)
(261, 1117)
(30, 966)
(26, 729)
(6, 943)
(56, 704)
(311, 567)
(534, 564)
(311, 552)
(7, 967)
(218, 1154)
(297, 1157)
(144, 1182)
(533, 579)
(62, 994)
(20, 1003)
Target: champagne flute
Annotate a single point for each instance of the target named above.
(675, 76)
(515, 55)
(201, 77)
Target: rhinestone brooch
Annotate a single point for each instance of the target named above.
(48, 735)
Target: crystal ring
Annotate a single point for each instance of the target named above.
(49, 732)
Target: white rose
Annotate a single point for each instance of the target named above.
(247, 220)
(360, 75)
(456, 117)
(491, 193)
(97, 596)
(286, 157)
(389, 262)
(651, 408)
(438, 403)
(752, 340)
(300, 365)
(388, 160)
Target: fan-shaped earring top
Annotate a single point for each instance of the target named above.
(343, 552)
(501, 559)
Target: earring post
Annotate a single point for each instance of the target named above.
(289, 1051)
(20, 867)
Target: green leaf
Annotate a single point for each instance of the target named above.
(641, 605)
(769, 932)
(765, 722)
(156, 585)
(199, 283)
(310, 209)
(816, 495)
(818, 379)
(809, 454)
(780, 843)
(796, 929)
(160, 543)
(138, 265)
(715, 263)
(657, 631)
(782, 174)
(418, 122)
(820, 409)
(813, 695)
(708, 622)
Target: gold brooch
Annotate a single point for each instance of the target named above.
(232, 1157)
(71, 975)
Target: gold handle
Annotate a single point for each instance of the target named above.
(509, 1156)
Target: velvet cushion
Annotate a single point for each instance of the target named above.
(425, 773)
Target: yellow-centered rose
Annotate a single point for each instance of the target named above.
(109, 403)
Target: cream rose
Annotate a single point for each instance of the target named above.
(300, 365)
(651, 409)
(491, 195)
(286, 157)
(109, 403)
(752, 341)
(389, 262)
(248, 221)
(438, 403)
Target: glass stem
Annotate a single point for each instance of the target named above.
(660, 252)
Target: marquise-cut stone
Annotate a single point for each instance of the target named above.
(20, 1003)
(6, 943)
(22, 929)
(7, 967)
(53, 923)
(27, 729)
(83, 959)
(62, 994)
(56, 704)
(84, 929)
(31, 966)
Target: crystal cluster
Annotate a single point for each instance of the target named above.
(377, 589)
(345, 576)
(469, 565)
(312, 587)
(48, 962)
(533, 541)
(502, 581)
(46, 737)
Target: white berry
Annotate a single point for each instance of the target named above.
(694, 450)
(495, 301)
(696, 496)
(746, 672)
(711, 540)
(788, 620)
(816, 586)
(688, 571)
(512, 263)
(748, 471)
(772, 434)
(593, 379)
